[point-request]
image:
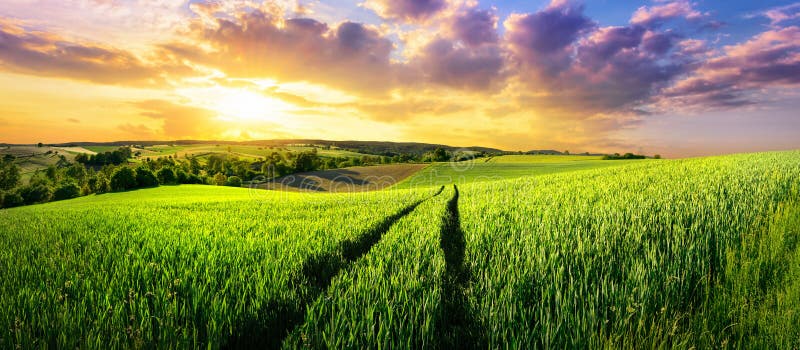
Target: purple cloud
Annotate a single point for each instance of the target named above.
(548, 31)
(657, 15)
(406, 10)
(475, 27)
(443, 62)
(731, 78)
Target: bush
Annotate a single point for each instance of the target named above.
(66, 190)
(194, 179)
(234, 181)
(123, 179)
(12, 199)
(220, 179)
(145, 178)
(166, 176)
(35, 193)
(99, 184)
(182, 176)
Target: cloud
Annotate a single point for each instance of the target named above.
(778, 15)
(475, 27)
(577, 70)
(730, 79)
(657, 15)
(406, 10)
(46, 54)
(540, 41)
(443, 62)
(350, 56)
(178, 121)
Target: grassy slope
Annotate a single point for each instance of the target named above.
(504, 167)
(635, 256)
(352, 179)
(207, 265)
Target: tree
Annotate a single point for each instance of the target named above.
(145, 178)
(234, 181)
(66, 190)
(166, 176)
(181, 176)
(102, 184)
(123, 179)
(82, 158)
(77, 172)
(35, 193)
(9, 175)
(657, 156)
(305, 161)
(440, 155)
(12, 199)
(220, 179)
(40, 145)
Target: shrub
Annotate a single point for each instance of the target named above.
(166, 176)
(66, 190)
(234, 181)
(220, 179)
(123, 179)
(12, 199)
(35, 193)
(182, 176)
(145, 178)
(100, 184)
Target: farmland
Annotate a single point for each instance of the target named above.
(552, 252)
(503, 167)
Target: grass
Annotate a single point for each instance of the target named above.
(658, 254)
(632, 256)
(101, 149)
(537, 159)
(186, 266)
(503, 168)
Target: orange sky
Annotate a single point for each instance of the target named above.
(443, 71)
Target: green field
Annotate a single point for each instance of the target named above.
(669, 254)
(101, 149)
(503, 168)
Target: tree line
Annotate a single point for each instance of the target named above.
(112, 171)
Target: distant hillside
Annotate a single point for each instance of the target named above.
(369, 147)
(553, 152)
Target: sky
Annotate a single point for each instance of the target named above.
(677, 78)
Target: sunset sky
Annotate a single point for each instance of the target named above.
(680, 78)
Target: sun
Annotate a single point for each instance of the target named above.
(246, 105)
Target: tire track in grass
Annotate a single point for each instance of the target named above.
(458, 327)
(317, 273)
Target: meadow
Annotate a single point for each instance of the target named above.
(670, 254)
(504, 168)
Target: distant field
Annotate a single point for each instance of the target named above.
(505, 167)
(32, 158)
(353, 179)
(101, 149)
(526, 158)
